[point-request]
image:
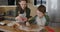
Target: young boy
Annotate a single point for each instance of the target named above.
(41, 19)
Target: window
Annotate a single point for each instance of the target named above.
(39, 2)
(7, 2)
(54, 4)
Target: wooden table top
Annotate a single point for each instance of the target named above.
(57, 29)
(13, 29)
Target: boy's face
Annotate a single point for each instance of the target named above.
(39, 14)
(23, 4)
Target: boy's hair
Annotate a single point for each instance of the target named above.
(42, 9)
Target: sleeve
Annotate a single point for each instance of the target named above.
(47, 20)
(28, 13)
(32, 21)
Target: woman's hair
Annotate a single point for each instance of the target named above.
(19, 7)
(42, 9)
(22, 0)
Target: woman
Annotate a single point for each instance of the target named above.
(23, 11)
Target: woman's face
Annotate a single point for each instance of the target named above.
(23, 4)
(39, 14)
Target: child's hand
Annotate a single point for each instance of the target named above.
(27, 24)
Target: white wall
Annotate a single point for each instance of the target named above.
(53, 8)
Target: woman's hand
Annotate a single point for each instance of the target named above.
(17, 24)
(17, 18)
(24, 19)
(21, 18)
